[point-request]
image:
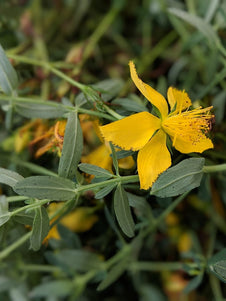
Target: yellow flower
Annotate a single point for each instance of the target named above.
(81, 219)
(148, 133)
(101, 157)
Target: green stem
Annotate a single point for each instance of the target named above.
(49, 67)
(34, 101)
(31, 206)
(154, 225)
(116, 258)
(19, 198)
(39, 268)
(216, 288)
(118, 179)
(4, 98)
(96, 113)
(99, 32)
(15, 245)
(214, 168)
(156, 266)
(170, 208)
(220, 76)
(156, 51)
(113, 113)
(62, 75)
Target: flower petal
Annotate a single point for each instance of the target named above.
(126, 163)
(152, 95)
(178, 100)
(133, 132)
(100, 157)
(184, 146)
(153, 159)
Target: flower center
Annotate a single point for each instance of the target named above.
(189, 125)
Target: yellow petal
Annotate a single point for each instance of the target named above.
(153, 159)
(185, 146)
(152, 95)
(178, 100)
(100, 157)
(80, 220)
(133, 132)
(53, 234)
(126, 163)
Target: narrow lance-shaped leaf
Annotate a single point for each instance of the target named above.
(97, 171)
(180, 178)
(40, 228)
(8, 76)
(4, 213)
(197, 22)
(9, 177)
(123, 212)
(53, 289)
(75, 260)
(46, 187)
(44, 109)
(193, 284)
(114, 158)
(72, 147)
(105, 191)
(115, 272)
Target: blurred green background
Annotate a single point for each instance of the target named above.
(173, 43)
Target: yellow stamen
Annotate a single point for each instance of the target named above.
(189, 125)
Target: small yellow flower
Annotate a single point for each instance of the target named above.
(81, 219)
(101, 157)
(148, 133)
(173, 284)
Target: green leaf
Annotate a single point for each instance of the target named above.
(69, 238)
(180, 178)
(57, 288)
(217, 265)
(123, 154)
(130, 104)
(97, 171)
(123, 212)
(109, 88)
(113, 275)
(44, 109)
(212, 8)
(105, 191)
(40, 228)
(193, 284)
(25, 218)
(197, 22)
(8, 76)
(9, 177)
(74, 260)
(9, 117)
(114, 158)
(4, 210)
(46, 187)
(103, 90)
(138, 202)
(72, 147)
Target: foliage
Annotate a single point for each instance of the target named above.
(68, 61)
